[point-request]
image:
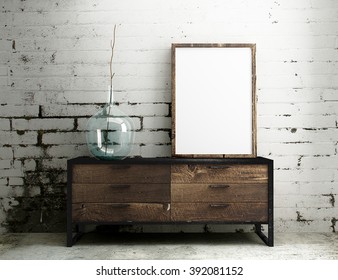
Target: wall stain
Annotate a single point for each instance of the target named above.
(299, 161)
(297, 142)
(76, 124)
(301, 219)
(45, 212)
(29, 97)
(52, 59)
(26, 216)
(332, 198)
(333, 221)
(25, 59)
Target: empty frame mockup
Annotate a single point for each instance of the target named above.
(213, 100)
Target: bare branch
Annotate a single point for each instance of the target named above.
(112, 45)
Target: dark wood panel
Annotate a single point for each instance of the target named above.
(121, 212)
(219, 173)
(219, 212)
(232, 192)
(121, 174)
(121, 193)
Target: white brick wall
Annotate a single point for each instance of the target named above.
(54, 74)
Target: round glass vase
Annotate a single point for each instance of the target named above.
(110, 133)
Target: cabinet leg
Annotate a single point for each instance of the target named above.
(268, 240)
(69, 232)
(270, 234)
(69, 238)
(73, 238)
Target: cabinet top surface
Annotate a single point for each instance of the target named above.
(168, 160)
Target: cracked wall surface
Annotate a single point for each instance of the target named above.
(54, 74)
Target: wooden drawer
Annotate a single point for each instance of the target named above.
(121, 173)
(121, 212)
(219, 173)
(120, 193)
(219, 212)
(232, 192)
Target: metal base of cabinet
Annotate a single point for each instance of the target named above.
(268, 240)
(73, 237)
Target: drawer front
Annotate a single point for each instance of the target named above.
(121, 173)
(219, 173)
(232, 192)
(121, 212)
(219, 212)
(120, 193)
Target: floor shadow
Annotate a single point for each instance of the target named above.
(106, 238)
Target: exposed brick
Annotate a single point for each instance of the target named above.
(28, 152)
(64, 138)
(11, 173)
(280, 149)
(3, 81)
(69, 110)
(145, 109)
(152, 137)
(156, 151)
(11, 191)
(6, 153)
(330, 94)
(307, 121)
(82, 123)
(3, 71)
(29, 165)
(157, 123)
(43, 124)
(5, 164)
(320, 162)
(94, 96)
(4, 58)
(16, 181)
(5, 124)
(5, 45)
(55, 163)
(305, 175)
(145, 96)
(19, 111)
(297, 135)
(68, 151)
(316, 188)
(18, 137)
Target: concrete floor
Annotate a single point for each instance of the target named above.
(196, 246)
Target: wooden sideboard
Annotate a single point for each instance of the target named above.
(170, 190)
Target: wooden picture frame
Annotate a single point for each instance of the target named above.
(214, 100)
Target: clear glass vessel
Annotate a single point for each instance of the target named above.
(110, 133)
